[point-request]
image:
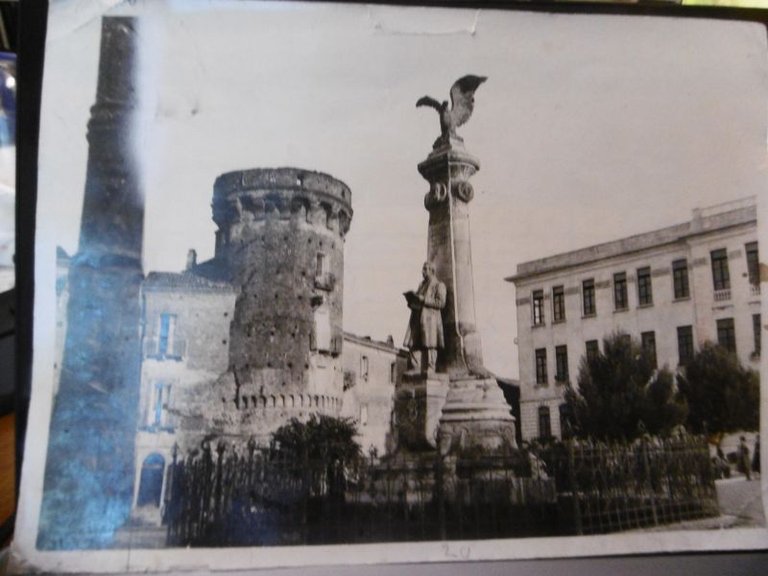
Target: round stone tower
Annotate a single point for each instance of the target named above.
(281, 235)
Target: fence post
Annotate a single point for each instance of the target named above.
(204, 483)
(440, 491)
(220, 447)
(574, 488)
(251, 446)
(646, 465)
(307, 481)
(170, 495)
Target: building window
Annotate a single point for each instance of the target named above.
(561, 363)
(680, 278)
(350, 379)
(726, 334)
(545, 424)
(756, 333)
(566, 421)
(753, 263)
(538, 307)
(685, 344)
(588, 297)
(541, 366)
(648, 340)
(161, 399)
(321, 264)
(321, 338)
(167, 333)
(324, 280)
(625, 339)
(364, 367)
(558, 304)
(393, 372)
(644, 287)
(593, 350)
(620, 291)
(720, 277)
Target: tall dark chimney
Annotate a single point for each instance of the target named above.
(113, 208)
(90, 464)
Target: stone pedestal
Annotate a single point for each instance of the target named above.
(419, 400)
(475, 415)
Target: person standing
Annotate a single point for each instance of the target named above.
(756, 456)
(745, 464)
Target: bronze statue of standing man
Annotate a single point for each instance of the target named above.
(425, 328)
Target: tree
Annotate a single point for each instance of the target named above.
(620, 394)
(320, 438)
(322, 441)
(722, 395)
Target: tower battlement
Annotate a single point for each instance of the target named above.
(252, 196)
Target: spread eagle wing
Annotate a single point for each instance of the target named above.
(463, 98)
(429, 101)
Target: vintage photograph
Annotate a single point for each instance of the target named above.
(312, 275)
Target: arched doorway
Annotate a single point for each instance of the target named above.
(151, 481)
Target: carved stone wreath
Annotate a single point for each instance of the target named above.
(463, 191)
(437, 194)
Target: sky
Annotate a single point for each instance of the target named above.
(589, 128)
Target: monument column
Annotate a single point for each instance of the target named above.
(449, 248)
(460, 406)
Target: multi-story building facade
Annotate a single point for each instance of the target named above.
(186, 324)
(670, 289)
(371, 371)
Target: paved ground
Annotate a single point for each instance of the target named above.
(740, 506)
(741, 499)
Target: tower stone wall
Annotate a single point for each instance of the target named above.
(281, 237)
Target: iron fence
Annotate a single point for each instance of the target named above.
(252, 497)
(613, 487)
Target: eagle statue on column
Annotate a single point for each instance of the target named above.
(462, 104)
